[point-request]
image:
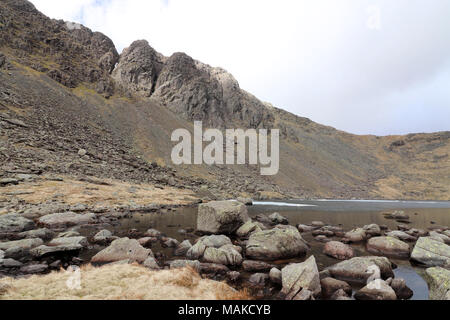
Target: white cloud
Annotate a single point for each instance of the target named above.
(316, 58)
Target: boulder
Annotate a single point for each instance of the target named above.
(440, 237)
(275, 276)
(331, 285)
(305, 228)
(338, 250)
(431, 253)
(256, 266)
(438, 280)
(401, 289)
(221, 217)
(183, 248)
(376, 290)
(247, 228)
(275, 244)
(2, 254)
(226, 255)
(372, 229)
(388, 246)
(297, 277)
(122, 249)
(66, 219)
(13, 222)
(69, 241)
(213, 268)
(356, 268)
(277, 218)
(198, 249)
(356, 235)
(19, 248)
(44, 250)
(104, 236)
(43, 233)
(401, 235)
(259, 279)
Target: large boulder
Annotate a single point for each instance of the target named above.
(431, 253)
(66, 219)
(297, 277)
(376, 290)
(214, 241)
(218, 217)
(388, 246)
(275, 244)
(356, 269)
(123, 249)
(438, 280)
(226, 255)
(13, 222)
(338, 250)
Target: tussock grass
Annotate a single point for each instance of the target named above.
(120, 282)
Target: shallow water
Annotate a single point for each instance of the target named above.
(347, 214)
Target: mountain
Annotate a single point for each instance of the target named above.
(70, 104)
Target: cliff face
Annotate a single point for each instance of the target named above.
(72, 90)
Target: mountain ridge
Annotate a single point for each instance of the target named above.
(140, 96)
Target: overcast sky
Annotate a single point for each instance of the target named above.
(367, 67)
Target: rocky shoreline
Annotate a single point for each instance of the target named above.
(227, 245)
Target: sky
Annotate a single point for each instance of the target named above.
(364, 66)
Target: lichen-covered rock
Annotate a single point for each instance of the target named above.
(275, 244)
(247, 228)
(300, 276)
(388, 246)
(356, 268)
(438, 280)
(214, 241)
(226, 255)
(122, 249)
(431, 253)
(224, 217)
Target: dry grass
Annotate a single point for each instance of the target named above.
(120, 282)
(116, 193)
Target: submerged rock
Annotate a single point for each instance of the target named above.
(275, 244)
(221, 217)
(401, 235)
(66, 219)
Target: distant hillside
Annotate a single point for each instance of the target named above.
(64, 88)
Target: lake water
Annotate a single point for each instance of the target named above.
(347, 214)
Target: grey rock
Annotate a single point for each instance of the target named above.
(183, 248)
(34, 268)
(256, 266)
(438, 280)
(356, 268)
(331, 285)
(69, 241)
(277, 218)
(376, 290)
(198, 249)
(275, 276)
(356, 235)
(226, 255)
(66, 219)
(151, 263)
(259, 279)
(43, 233)
(194, 264)
(247, 228)
(338, 250)
(401, 289)
(275, 244)
(431, 253)
(213, 268)
(13, 222)
(388, 246)
(104, 236)
(218, 217)
(372, 229)
(122, 249)
(10, 263)
(401, 235)
(300, 276)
